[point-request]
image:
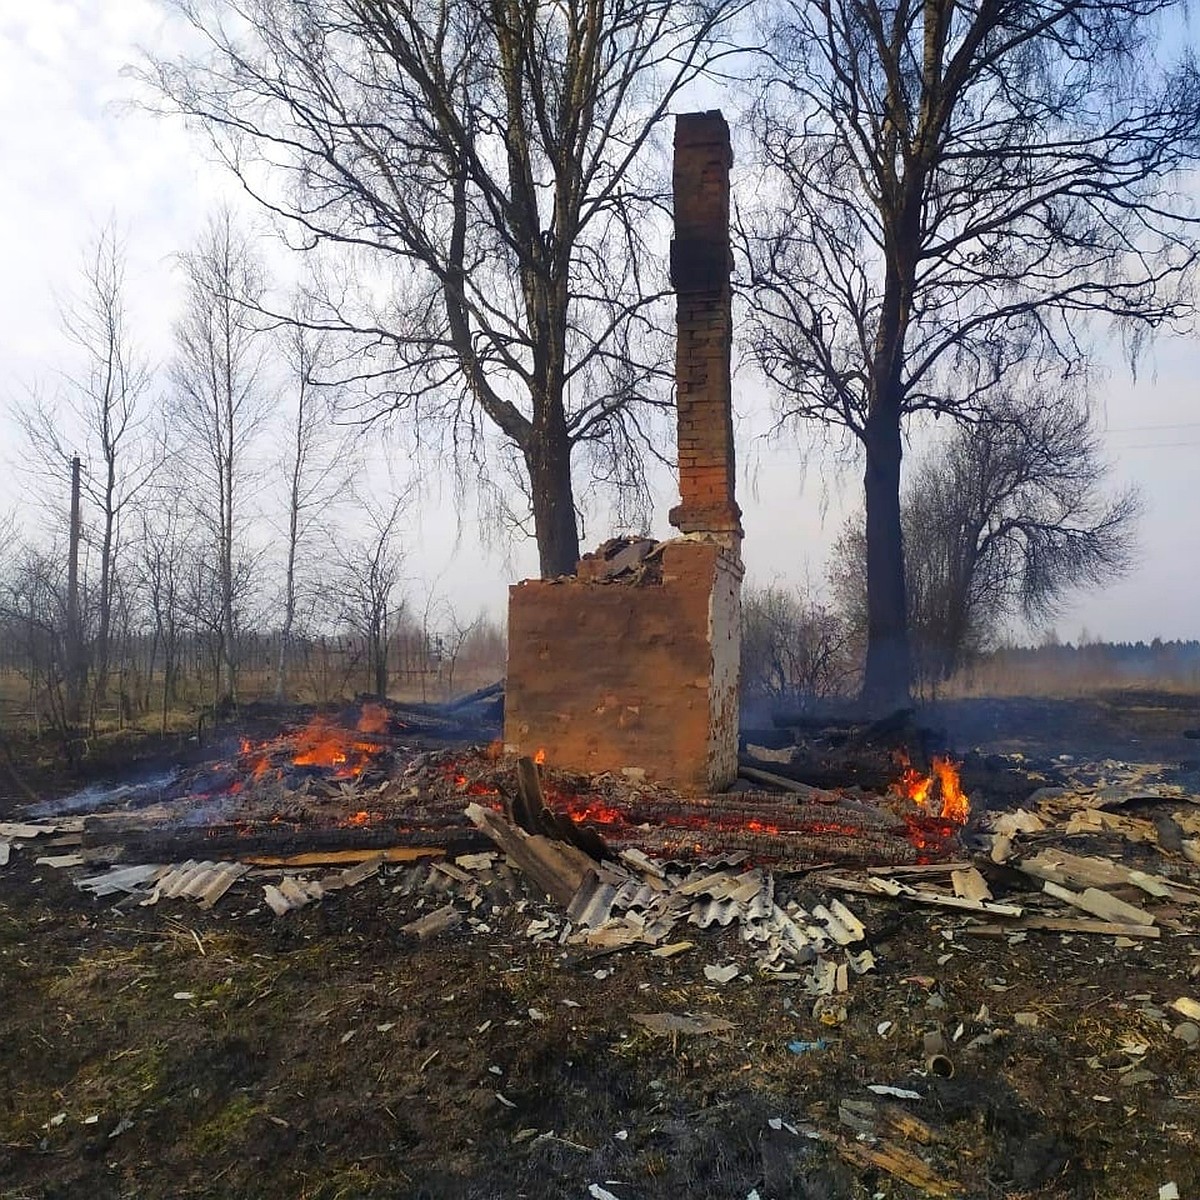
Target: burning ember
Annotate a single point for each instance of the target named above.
(938, 794)
(343, 752)
(328, 785)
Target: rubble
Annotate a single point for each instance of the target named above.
(725, 921)
(629, 889)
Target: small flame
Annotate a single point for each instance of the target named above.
(323, 744)
(598, 812)
(756, 826)
(925, 790)
(469, 785)
(540, 757)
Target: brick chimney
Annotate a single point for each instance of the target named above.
(701, 264)
(633, 663)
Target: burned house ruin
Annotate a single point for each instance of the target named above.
(634, 662)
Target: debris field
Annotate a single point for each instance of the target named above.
(498, 1011)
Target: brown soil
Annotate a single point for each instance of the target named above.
(165, 1052)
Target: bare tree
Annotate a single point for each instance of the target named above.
(100, 413)
(795, 648)
(165, 555)
(484, 652)
(317, 467)
(950, 190)
(34, 605)
(444, 634)
(1003, 519)
(489, 162)
(10, 647)
(218, 406)
(369, 577)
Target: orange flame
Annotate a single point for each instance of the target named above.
(323, 744)
(756, 826)
(598, 812)
(942, 784)
(955, 805)
(259, 765)
(468, 785)
(540, 757)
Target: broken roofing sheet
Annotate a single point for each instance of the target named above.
(1049, 866)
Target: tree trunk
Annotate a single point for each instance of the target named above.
(74, 639)
(378, 648)
(166, 693)
(151, 663)
(888, 668)
(548, 458)
(289, 609)
(107, 553)
(227, 677)
(887, 678)
(227, 686)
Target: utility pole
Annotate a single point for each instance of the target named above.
(74, 647)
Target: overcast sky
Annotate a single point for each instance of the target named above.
(74, 156)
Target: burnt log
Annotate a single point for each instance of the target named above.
(872, 773)
(131, 841)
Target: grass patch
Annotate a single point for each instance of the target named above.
(227, 1127)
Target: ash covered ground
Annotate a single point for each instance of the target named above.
(167, 1051)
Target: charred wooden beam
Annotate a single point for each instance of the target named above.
(871, 773)
(797, 850)
(155, 843)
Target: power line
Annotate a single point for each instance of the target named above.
(1152, 428)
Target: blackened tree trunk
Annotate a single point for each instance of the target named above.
(887, 672)
(549, 464)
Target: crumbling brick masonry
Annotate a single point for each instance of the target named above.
(634, 662)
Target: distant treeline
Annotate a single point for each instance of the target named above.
(1053, 665)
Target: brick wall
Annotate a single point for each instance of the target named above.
(604, 676)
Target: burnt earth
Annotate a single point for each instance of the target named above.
(323, 1055)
